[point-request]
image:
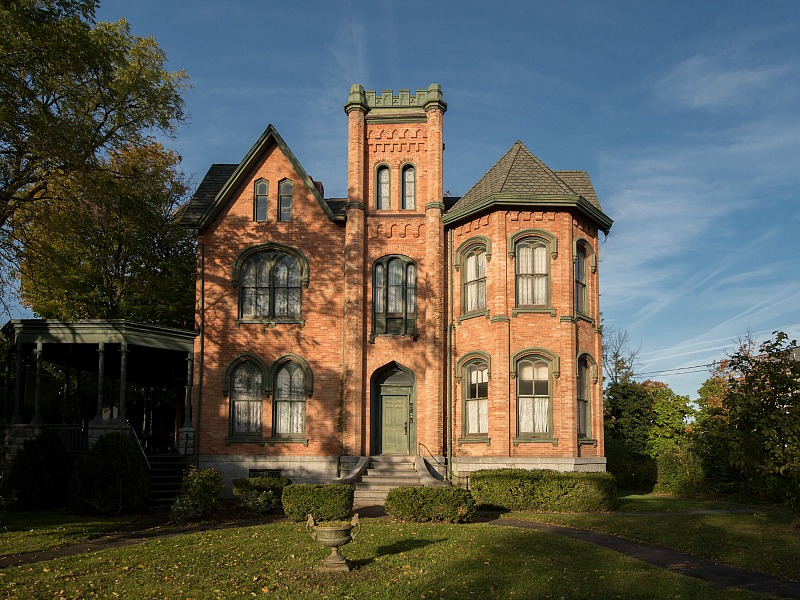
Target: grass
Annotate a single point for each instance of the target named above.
(28, 531)
(760, 539)
(393, 561)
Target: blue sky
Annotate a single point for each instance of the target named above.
(685, 114)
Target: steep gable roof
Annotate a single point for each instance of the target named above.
(519, 177)
(215, 190)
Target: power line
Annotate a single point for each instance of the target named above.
(679, 370)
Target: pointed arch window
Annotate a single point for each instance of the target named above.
(394, 301)
(382, 188)
(260, 201)
(289, 400)
(409, 199)
(270, 287)
(285, 191)
(246, 399)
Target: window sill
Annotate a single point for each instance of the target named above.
(587, 442)
(475, 440)
(372, 336)
(480, 313)
(270, 322)
(535, 440)
(582, 317)
(262, 441)
(534, 310)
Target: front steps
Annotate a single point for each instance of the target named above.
(383, 474)
(166, 475)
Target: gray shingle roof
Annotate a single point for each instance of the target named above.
(216, 177)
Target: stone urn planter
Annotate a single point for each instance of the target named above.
(333, 535)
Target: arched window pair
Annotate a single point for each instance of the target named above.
(261, 200)
(408, 188)
(249, 382)
(394, 296)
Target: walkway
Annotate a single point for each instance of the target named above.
(717, 574)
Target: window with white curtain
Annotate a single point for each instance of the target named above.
(474, 296)
(534, 410)
(532, 266)
(476, 399)
(409, 197)
(394, 296)
(270, 286)
(289, 400)
(285, 189)
(382, 188)
(584, 394)
(260, 200)
(246, 400)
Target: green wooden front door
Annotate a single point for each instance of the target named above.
(394, 427)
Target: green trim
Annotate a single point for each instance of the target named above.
(533, 200)
(474, 355)
(474, 440)
(592, 364)
(369, 99)
(467, 245)
(534, 440)
(434, 205)
(391, 119)
(287, 358)
(250, 250)
(472, 315)
(587, 442)
(555, 361)
(500, 319)
(377, 169)
(403, 168)
(548, 238)
(583, 317)
(568, 319)
(531, 309)
(590, 252)
(270, 322)
(243, 358)
(262, 441)
(355, 205)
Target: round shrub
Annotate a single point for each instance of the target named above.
(111, 478)
(324, 501)
(41, 473)
(261, 495)
(420, 504)
(198, 497)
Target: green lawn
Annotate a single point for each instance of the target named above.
(393, 561)
(760, 539)
(27, 531)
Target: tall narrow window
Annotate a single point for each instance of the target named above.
(260, 201)
(584, 393)
(394, 301)
(290, 400)
(533, 397)
(270, 286)
(581, 304)
(382, 189)
(476, 399)
(409, 188)
(285, 201)
(532, 267)
(475, 281)
(246, 400)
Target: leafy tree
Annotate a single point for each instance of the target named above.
(71, 91)
(114, 248)
(670, 415)
(763, 407)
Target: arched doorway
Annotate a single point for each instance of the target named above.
(393, 408)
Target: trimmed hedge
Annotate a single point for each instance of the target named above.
(543, 490)
(41, 473)
(324, 501)
(261, 495)
(448, 504)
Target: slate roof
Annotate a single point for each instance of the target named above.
(216, 177)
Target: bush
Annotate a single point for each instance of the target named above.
(41, 472)
(632, 470)
(448, 504)
(680, 471)
(110, 478)
(198, 497)
(261, 495)
(325, 502)
(541, 490)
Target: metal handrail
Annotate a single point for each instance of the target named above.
(141, 448)
(436, 460)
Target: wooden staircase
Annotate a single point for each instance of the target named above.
(383, 474)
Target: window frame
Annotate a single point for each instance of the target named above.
(584, 262)
(276, 368)
(229, 392)
(552, 362)
(468, 399)
(586, 380)
(285, 200)
(407, 294)
(533, 243)
(472, 247)
(550, 242)
(383, 203)
(404, 196)
(258, 211)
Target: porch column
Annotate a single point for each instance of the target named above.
(16, 419)
(101, 373)
(187, 412)
(6, 386)
(37, 394)
(123, 375)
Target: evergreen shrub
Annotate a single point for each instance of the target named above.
(447, 504)
(680, 472)
(543, 491)
(198, 497)
(41, 473)
(261, 495)
(110, 478)
(632, 470)
(324, 501)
